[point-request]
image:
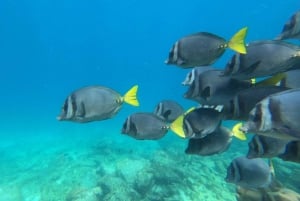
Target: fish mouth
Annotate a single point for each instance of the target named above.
(167, 61)
(244, 128)
(59, 118)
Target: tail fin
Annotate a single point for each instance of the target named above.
(272, 81)
(177, 126)
(237, 42)
(131, 96)
(238, 133)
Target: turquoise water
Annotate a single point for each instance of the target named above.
(50, 48)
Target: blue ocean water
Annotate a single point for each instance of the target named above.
(51, 48)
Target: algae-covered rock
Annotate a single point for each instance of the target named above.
(281, 194)
(144, 182)
(116, 188)
(84, 194)
(128, 169)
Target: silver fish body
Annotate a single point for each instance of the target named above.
(168, 110)
(214, 143)
(199, 49)
(93, 103)
(144, 126)
(201, 122)
(195, 72)
(213, 89)
(291, 29)
(263, 58)
(249, 173)
(266, 147)
(244, 101)
(276, 116)
(291, 79)
(292, 152)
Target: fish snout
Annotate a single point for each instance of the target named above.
(244, 128)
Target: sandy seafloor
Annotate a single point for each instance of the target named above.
(92, 162)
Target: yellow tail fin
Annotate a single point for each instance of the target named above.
(177, 126)
(237, 133)
(237, 42)
(130, 96)
(272, 81)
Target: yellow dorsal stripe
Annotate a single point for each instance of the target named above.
(272, 81)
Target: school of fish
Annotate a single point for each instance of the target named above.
(259, 87)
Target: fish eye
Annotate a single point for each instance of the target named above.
(171, 53)
(125, 125)
(254, 146)
(254, 117)
(167, 113)
(206, 93)
(65, 106)
(292, 23)
(231, 171)
(257, 117)
(156, 109)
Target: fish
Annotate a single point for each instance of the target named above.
(95, 103)
(144, 126)
(276, 116)
(292, 152)
(249, 173)
(215, 143)
(195, 72)
(277, 193)
(266, 147)
(203, 48)
(263, 58)
(244, 101)
(168, 110)
(197, 122)
(291, 29)
(210, 88)
(291, 79)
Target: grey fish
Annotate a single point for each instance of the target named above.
(291, 79)
(190, 77)
(291, 29)
(144, 126)
(95, 103)
(244, 101)
(276, 193)
(168, 110)
(213, 89)
(249, 173)
(292, 152)
(266, 147)
(276, 116)
(263, 58)
(197, 123)
(214, 143)
(203, 48)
